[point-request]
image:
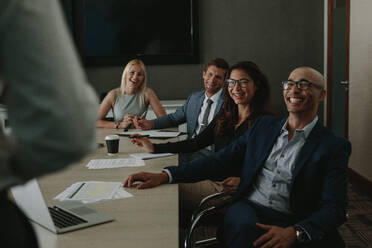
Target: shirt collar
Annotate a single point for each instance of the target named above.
(306, 130)
(215, 96)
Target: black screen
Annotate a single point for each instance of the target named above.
(114, 31)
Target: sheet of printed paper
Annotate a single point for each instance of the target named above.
(140, 132)
(95, 190)
(146, 155)
(114, 163)
(91, 191)
(167, 134)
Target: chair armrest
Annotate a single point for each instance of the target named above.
(212, 197)
(194, 222)
(207, 199)
(197, 217)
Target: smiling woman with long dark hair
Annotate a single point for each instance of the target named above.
(246, 97)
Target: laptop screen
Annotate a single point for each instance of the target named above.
(29, 198)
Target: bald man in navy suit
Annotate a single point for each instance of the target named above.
(293, 189)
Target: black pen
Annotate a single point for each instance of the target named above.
(77, 190)
(143, 115)
(139, 136)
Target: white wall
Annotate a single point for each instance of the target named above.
(360, 112)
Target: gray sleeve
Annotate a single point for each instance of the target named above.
(171, 120)
(52, 109)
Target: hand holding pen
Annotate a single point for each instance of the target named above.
(127, 121)
(142, 124)
(143, 142)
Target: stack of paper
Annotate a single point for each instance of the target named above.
(114, 163)
(146, 155)
(93, 191)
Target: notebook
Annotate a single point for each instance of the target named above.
(64, 217)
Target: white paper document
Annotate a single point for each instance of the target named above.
(156, 133)
(167, 134)
(114, 163)
(140, 132)
(146, 155)
(93, 191)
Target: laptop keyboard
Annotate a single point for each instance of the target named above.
(62, 218)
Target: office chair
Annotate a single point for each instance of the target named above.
(101, 97)
(206, 215)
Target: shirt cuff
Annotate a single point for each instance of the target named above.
(153, 122)
(169, 175)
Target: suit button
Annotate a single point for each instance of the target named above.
(274, 185)
(282, 156)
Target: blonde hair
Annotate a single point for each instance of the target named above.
(141, 90)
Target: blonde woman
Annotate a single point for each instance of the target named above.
(131, 100)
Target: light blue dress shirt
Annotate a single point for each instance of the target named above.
(272, 186)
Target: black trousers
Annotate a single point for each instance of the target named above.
(15, 231)
(240, 231)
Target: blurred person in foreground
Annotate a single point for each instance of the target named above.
(51, 108)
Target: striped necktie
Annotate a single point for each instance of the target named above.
(204, 123)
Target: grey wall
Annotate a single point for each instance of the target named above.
(278, 35)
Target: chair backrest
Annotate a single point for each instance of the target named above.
(102, 96)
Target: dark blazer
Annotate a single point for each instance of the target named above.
(318, 195)
(188, 113)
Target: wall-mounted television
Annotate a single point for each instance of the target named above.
(112, 32)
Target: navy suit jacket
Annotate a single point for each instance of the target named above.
(188, 113)
(318, 194)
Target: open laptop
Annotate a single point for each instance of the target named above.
(65, 217)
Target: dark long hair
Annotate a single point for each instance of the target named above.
(260, 104)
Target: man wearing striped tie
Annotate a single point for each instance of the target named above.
(198, 111)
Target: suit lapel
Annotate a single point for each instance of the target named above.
(307, 150)
(271, 137)
(262, 151)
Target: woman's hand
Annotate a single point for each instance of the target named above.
(144, 143)
(127, 121)
(231, 184)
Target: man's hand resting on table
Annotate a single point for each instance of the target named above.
(148, 180)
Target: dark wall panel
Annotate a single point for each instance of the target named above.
(278, 35)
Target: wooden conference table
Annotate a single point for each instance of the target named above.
(149, 219)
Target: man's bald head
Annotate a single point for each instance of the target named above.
(302, 104)
(309, 74)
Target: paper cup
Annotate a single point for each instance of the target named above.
(112, 143)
